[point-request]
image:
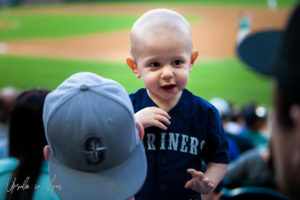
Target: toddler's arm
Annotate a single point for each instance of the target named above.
(153, 116)
(205, 183)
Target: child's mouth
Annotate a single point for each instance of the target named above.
(168, 88)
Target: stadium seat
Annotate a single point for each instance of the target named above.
(252, 193)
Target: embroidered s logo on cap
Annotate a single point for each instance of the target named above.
(93, 150)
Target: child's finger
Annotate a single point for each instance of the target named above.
(191, 170)
(163, 113)
(163, 119)
(196, 174)
(188, 184)
(205, 181)
(160, 125)
(208, 184)
(211, 186)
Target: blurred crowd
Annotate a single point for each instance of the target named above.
(8, 96)
(248, 132)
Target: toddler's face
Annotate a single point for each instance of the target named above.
(164, 63)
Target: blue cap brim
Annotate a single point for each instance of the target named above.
(259, 50)
(121, 182)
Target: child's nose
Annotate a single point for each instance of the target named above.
(167, 72)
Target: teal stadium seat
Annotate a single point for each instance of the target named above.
(252, 193)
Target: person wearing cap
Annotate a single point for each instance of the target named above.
(275, 53)
(94, 150)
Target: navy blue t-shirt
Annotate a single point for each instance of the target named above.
(195, 133)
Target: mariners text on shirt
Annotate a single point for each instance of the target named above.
(177, 142)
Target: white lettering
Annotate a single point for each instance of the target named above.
(150, 141)
(188, 144)
(53, 186)
(193, 145)
(184, 148)
(173, 143)
(17, 186)
(202, 144)
(162, 141)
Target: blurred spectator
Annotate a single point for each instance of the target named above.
(237, 143)
(7, 99)
(276, 53)
(244, 25)
(3, 129)
(256, 119)
(237, 123)
(24, 174)
(252, 168)
(272, 4)
(233, 122)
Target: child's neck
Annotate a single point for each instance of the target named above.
(166, 105)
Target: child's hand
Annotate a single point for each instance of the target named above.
(153, 116)
(199, 182)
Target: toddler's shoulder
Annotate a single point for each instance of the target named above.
(201, 103)
(138, 95)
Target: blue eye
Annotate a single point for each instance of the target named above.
(154, 64)
(177, 62)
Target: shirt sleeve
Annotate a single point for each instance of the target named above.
(216, 147)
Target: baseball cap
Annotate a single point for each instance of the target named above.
(95, 148)
(276, 53)
(222, 106)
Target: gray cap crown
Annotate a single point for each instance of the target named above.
(90, 127)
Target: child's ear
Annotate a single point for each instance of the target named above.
(130, 62)
(194, 56)
(46, 152)
(141, 130)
